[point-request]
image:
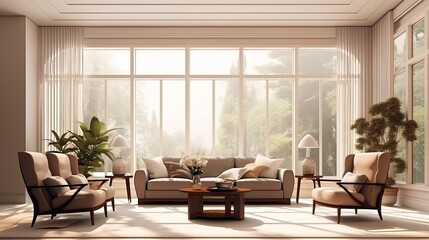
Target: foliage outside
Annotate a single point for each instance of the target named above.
(382, 133)
(89, 147)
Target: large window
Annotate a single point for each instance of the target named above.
(410, 55)
(222, 101)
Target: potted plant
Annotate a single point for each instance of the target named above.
(382, 133)
(89, 147)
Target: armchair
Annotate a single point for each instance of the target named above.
(367, 194)
(49, 198)
(66, 165)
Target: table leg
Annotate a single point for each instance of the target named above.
(318, 182)
(228, 206)
(239, 206)
(297, 189)
(127, 183)
(110, 182)
(195, 206)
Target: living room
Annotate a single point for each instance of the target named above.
(234, 79)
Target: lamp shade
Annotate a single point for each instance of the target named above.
(308, 141)
(119, 142)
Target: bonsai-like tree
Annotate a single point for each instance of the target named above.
(89, 147)
(382, 133)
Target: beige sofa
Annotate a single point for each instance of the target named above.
(279, 189)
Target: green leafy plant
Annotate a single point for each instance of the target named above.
(90, 147)
(382, 133)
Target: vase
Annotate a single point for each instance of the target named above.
(196, 182)
(119, 166)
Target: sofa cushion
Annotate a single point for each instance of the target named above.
(353, 177)
(155, 167)
(260, 183)
(233, 173)
(168, 183)
(175, 170)
(217, 165)
(254, 170)
(273, 165)
(56, 180)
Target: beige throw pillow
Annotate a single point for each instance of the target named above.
(254, 170)
(355, 178)
(56, 180)
(174, 170)
(78, 179)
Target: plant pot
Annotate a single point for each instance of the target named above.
(390, 196)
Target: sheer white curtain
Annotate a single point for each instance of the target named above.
(60, 78)
(383, 58)
(354, 71)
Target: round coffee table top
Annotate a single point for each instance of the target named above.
(204, 190)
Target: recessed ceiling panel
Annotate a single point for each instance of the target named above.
(200, 12)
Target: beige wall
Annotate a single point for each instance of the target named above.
(18, 77)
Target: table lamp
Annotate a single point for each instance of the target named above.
(308, 164)
(119, 166)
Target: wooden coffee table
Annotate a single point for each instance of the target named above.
(196, 203)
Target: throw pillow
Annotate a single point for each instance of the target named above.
(254, 170)
(174, 170)
(56, 180)
(233, 173)
(355, 178)
(77, 179)
(155, 167)
(273, 165)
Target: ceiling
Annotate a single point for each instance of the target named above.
(199, 12)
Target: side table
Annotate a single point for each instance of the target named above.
(314, 178)
(126, 177)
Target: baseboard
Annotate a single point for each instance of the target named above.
(14, 198)
(414, 199)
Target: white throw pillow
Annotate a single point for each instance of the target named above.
(233, 173)
(272, 164)
(353, 177)
(156, 167)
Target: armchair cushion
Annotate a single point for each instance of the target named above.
(56, 180)
(353, 177)
(77, 179)
(336, 195)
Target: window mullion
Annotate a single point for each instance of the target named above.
(187, 100)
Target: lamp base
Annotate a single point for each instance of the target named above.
(119, 166)
(308, 166)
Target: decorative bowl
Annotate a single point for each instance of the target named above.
(224, 185)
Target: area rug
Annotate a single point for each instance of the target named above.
(261, 221)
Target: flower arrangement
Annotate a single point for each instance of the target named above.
(195, 164)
